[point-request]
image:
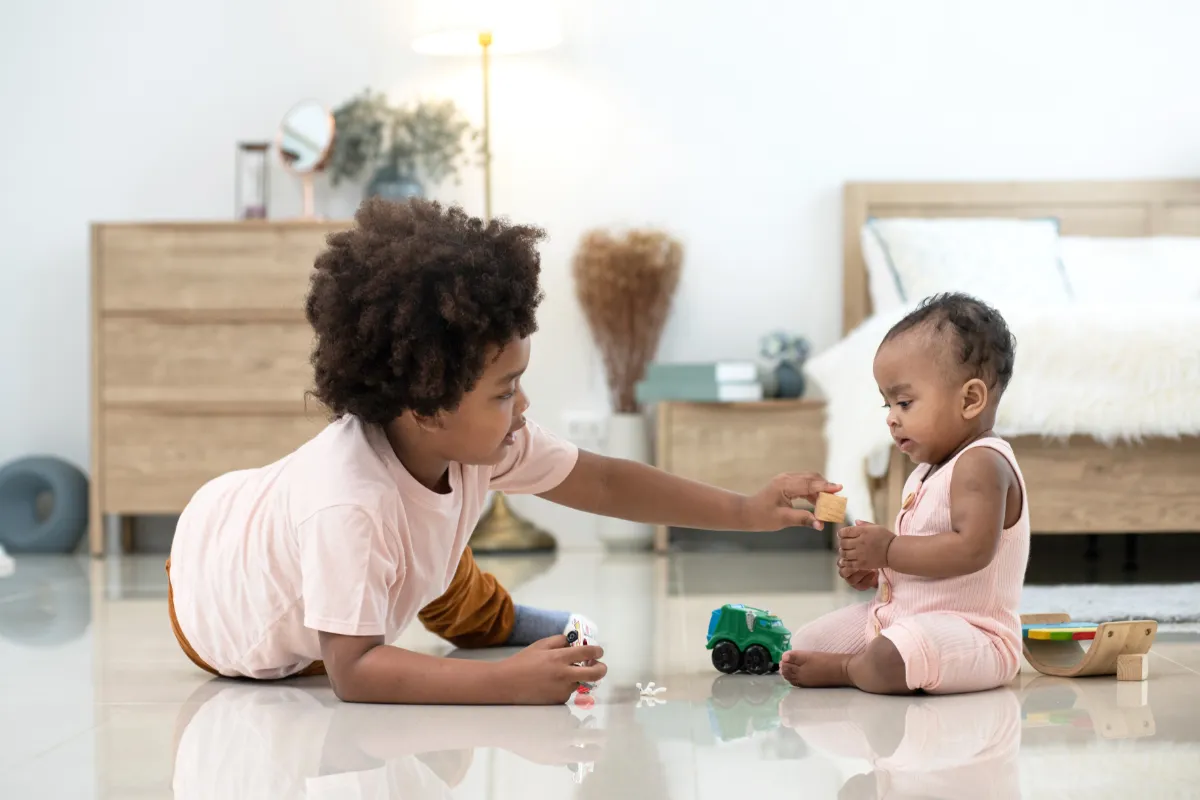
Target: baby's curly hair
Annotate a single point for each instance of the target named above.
(983, 345)
(407, 305)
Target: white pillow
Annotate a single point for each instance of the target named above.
(881, 280)
(1139, 269)
(1005, 262)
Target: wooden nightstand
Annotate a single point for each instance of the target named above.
(738, 446)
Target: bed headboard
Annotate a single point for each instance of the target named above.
(1083, 208)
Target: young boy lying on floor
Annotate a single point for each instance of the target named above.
(313, 564)
(945, 615)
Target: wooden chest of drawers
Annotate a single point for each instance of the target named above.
(199, 357)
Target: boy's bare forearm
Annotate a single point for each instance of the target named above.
(386, 674)
(646, 494)
(617, 488)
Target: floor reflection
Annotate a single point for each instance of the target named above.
(99, 703)
(292, 740)
(926, 747)
(747, 706)
(46, 602)
(1052, 708)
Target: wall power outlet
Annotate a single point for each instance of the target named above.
(586, 428)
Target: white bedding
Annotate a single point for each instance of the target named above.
(1113, 372)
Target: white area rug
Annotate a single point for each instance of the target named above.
(1175, 606)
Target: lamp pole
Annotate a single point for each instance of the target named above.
(485, 44)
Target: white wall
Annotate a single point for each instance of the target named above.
(733, 128)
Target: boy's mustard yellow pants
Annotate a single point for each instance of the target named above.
(475, 611)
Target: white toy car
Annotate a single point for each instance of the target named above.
(581, 631)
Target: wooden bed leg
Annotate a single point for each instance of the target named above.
(126, 534)
(1131, 552)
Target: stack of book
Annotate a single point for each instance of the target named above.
(716, 382)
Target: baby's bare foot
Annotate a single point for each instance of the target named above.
(815, 670)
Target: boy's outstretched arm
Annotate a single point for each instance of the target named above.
(615, 487)
(362, 669)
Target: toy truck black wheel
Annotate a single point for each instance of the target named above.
(726, 657)
(756, 661)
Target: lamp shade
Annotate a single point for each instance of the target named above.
(452, 27)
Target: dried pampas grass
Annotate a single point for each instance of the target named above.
(625, 285)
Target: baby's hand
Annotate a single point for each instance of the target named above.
(864, 547)
(860, 580)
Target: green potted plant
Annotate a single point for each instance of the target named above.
(399, 150)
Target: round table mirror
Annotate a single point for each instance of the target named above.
(305, 141)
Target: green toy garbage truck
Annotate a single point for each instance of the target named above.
(747, 639)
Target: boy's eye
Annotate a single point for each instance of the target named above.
(904, 403)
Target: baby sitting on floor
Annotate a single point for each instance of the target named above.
(945, 615)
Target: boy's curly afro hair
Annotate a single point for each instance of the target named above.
(407, 305)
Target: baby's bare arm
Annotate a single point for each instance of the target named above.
(978, 507)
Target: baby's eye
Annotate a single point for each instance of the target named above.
(904, 403)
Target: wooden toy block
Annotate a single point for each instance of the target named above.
(830, 508)
(1133, 667)
(1070, 658)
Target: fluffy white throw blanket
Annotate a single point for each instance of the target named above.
(1110, 372)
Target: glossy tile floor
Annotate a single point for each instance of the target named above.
(96, 701)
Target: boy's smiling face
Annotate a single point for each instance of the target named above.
(481, 429)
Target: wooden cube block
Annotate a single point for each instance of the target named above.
(1133, 668)
(830, 508)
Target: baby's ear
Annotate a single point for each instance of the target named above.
(974, 398)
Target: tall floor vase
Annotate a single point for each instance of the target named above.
(629, 438)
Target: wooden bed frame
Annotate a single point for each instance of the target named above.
(1078, 485)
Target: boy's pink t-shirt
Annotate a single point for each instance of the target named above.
(334, 537)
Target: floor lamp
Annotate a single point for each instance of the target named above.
(483, 28)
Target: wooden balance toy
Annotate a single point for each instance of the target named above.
(1054, 645)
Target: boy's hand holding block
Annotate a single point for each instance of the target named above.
(830, 508)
